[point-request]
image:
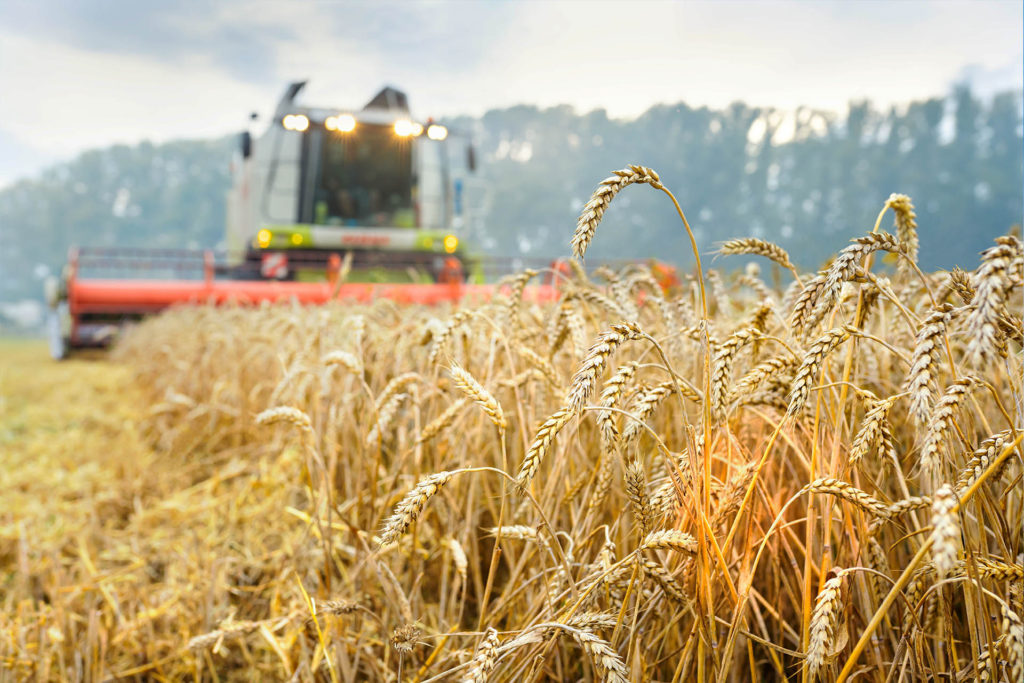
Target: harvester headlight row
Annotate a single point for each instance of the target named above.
(296, 122)
(346, 123)
(342, 123)
(405, 128)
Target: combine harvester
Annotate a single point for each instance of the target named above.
(326, 205)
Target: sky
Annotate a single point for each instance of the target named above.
(79, 74)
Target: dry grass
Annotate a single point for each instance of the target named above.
(591, 517)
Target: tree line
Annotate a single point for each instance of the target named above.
(809, 180)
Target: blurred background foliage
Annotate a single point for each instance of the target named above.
(807, 180)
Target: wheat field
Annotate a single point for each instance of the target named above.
(758, 474)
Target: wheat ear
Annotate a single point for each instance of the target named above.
(940, 421)
(594, 210)
(288, 415)
(827, 609)
(485, 658)
(410, 507)
(906, 227)
(722, 366)
(993, 280)
(636, 491)
(945, 530)
(1013, 641)
(604, 657)
(752, 245)
(987, 451)
(806, 374)
(385, 415)
(395, 386)
(846, 266)
(643, 407)
(801, 317)
(848, 492)
(541, 444)
(344, 359)
(516, 296)
(585, 379)
(613, 389)
(445, 334)
(872, 430)
(670, 539)
(483, 398)
(442, 421)
(927, 347)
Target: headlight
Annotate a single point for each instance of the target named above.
(404, 128)
(263, 238)
(296, 238)
(437, 132)
(296, 122)
(342, 123)
(451, 243)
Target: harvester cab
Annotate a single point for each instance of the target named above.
(394, 192)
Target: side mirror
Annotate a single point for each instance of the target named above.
(245, 143)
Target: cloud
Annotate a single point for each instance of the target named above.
(92, 73)
(173, 32)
